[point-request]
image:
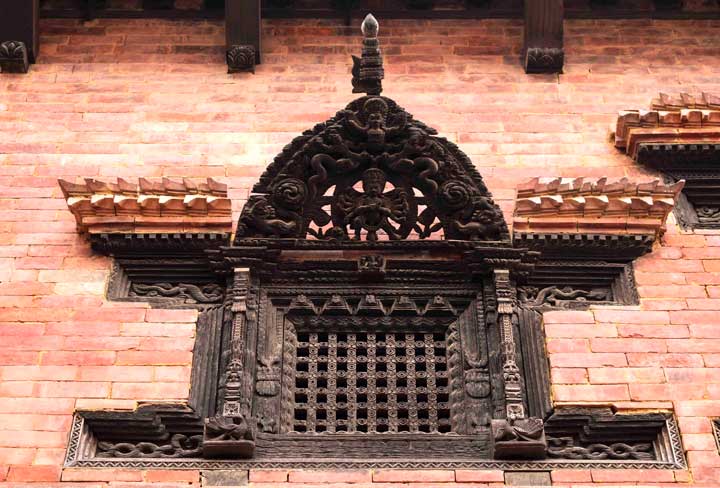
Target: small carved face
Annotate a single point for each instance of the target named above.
(376, 121)
(373, 182)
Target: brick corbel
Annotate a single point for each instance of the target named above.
(578, 206)
(166, 206)
(687, 120)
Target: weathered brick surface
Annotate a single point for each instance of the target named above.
(150, 98)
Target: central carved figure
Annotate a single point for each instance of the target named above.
(374, 209)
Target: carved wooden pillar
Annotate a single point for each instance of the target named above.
(242, 34)
(231, 433)
(19, 38)
(516, 435)
(543, 47)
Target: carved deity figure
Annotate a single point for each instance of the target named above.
(374, 209)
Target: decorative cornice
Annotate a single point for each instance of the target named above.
(684, 120)
(579, 206)
(165, 206)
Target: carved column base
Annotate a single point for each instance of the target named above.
(14, 57)
(228, 438)
(241, 58)
(519, 439)
(544, 60)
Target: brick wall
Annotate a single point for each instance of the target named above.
(151, 98)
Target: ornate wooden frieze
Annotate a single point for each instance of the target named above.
(577, 283)
(178, 282)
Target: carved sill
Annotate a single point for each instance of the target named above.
(587, 438)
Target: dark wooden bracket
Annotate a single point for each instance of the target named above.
(543, 46)
(19, 35)
(242, 33)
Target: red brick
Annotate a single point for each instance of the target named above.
(625, 475)
(698, 442)
(665, 360)
(628, 345)
(571, 476)
(567, 346)
(410, 476)
(569, 375)
(160, 315)
(116, 373)
(695, 425)
(479, 476)
(172, 476)
(90, 474)
(338, 476)
(34, 473)
(574, 360)
(580, 330)
(568, 317)
(70, 389)
(666, 391)
(34, 439)
(149, 391)
(585, 393)
(703, 458)
(671, 291)
(268, 476)
(632, 317)
(697, 408)
(694, 317)
(652, 264)
(98, 358)
(704, 303)
(694, 345)
(654, 278)
(169, 358)
(653, 331)
(17, 455)
(625, 375)
(37, 405)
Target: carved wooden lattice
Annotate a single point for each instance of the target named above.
(371, 382)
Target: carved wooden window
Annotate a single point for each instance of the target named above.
(370, 311)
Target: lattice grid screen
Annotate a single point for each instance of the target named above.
(371, 383)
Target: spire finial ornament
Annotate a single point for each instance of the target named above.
(368, 70)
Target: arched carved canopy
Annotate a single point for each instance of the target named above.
(372, 172)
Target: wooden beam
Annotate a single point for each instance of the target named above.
(543, 47)
(242, 34)
(19, 34)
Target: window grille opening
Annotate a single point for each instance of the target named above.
(371, 383)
